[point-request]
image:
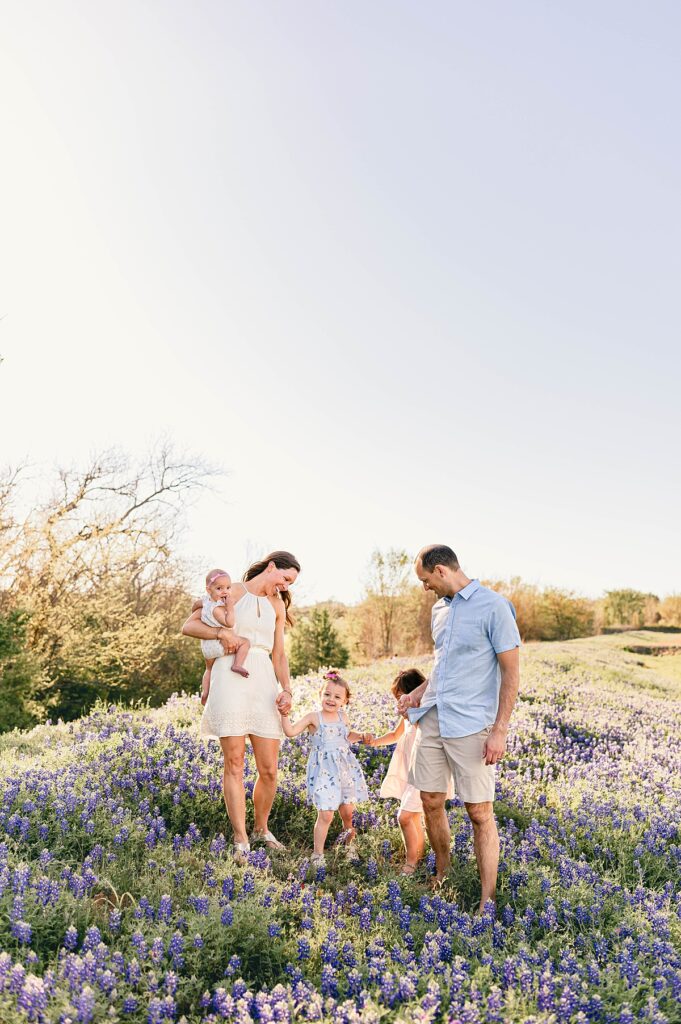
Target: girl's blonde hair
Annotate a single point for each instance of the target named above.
(333, 677)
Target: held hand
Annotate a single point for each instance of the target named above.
(405, 702)
(284, 702)
(495, 745)
(368, 738)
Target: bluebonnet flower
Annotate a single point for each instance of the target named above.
(21, 930)
(233, 966)
(85, 1005)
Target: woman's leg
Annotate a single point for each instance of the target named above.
(412, 833)
(321, 829)
(266, 753)
(233, 750)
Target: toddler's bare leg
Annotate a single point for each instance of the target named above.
(205, 681)
(346, 812)
(321, 829)
(412, 833)
(240, 655)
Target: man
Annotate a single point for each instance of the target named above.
(464, 709)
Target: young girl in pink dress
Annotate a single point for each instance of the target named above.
(396, 783)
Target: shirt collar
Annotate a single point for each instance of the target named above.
(467, 591)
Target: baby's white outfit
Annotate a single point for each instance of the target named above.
(211, 648)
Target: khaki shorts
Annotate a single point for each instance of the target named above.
(435, 759)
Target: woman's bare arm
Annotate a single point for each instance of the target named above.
(199, 630)
(279, 659)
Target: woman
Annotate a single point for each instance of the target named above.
(238, 707)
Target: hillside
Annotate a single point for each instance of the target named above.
(119, 900)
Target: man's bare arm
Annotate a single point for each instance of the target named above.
(509, 663)
(411, 700)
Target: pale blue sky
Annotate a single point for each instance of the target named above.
(408, 271)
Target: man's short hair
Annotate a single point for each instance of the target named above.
(437, 554)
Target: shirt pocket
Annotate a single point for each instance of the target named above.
(468, 636)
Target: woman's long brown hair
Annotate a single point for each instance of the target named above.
(282, 560)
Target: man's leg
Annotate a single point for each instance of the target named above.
(430, 773)
(486, 846)
(437, 827)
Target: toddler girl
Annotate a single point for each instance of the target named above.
(334, 777)
(217, 609)
(396, 782)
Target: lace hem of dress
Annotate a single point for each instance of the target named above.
(241, 725)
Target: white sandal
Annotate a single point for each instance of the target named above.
(270, 841)
(318, 860)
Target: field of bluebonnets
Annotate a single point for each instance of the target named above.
(119, 900)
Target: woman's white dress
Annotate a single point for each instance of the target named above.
(237, 706)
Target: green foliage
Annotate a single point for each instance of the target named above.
(630, 608)
(21, 677)
(564, 616)
(315, 643)
(93, 596)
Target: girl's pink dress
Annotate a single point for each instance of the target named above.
(396, 783)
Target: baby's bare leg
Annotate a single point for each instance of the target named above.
(205, 681)
(243, 647)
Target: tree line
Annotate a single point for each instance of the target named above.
(92, 594)
(393, 618)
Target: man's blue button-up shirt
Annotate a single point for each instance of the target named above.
(469, 630)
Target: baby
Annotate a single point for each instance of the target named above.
(217, 609)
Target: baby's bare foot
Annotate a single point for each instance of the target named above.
(240, 671)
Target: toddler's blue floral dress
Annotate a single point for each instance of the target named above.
(334, 775)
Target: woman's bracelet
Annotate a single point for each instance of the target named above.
(285, 689)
